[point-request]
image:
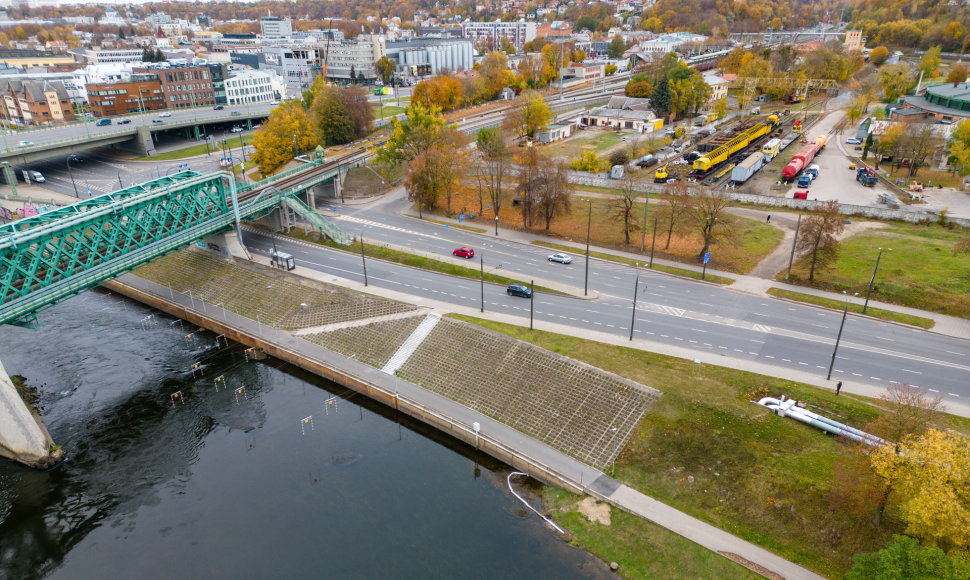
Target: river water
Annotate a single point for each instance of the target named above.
(269, 472)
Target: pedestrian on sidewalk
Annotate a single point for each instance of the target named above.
(838, 387)
(768, 221)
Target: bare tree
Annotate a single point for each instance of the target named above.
(495, 155)
(624, 204)
(677, 200)
(819, 236)
(529, 181)
(920, 141)
(705, 210)
(910, 412)
(555, 192)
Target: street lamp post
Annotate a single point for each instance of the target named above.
(873, 279)
(791, 258)
(589, 220)
(295, 151)
(636, 290)
(72, 176)
(838, 338)
(363, 259)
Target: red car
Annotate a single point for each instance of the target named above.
(464, 252)
(801, 194)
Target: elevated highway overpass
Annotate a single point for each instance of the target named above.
(137, 135)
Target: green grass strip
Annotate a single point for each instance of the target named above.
(632, 262)
(459, 226)
(837, 304)
(414, 261)
(196, 150)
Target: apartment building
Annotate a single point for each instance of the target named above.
(184, 86)
(491, 33)
(249, 87)
(360, 54)
(27, 102)
(141, 92)
(297, 66)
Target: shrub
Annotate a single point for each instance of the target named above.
(588, 161)
(619, 157)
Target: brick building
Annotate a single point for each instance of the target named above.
(184, 86)
(142, 92)
(31, 102)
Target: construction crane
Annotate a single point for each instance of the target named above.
(326, 51)
(796, 86)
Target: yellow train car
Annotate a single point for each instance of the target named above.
(724, 152)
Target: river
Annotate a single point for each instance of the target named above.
(267, 472)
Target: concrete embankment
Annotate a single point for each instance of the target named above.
(23, 436)
(493, 437)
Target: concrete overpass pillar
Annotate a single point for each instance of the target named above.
(227, 244)
(23, 436)
(9, 177)
(141, 142)
(196, 133)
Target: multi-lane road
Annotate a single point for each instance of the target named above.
(713, 321)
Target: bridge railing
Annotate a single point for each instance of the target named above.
(273, 178)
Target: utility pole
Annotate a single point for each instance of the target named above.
(794, 243)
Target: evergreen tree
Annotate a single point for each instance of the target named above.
(616, 47)
(159, 55)
(121, 34)
(353, 74)
(660, 99)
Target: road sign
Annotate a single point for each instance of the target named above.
(707, 257)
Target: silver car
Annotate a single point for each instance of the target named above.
(561, 258)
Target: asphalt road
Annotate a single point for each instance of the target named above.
(712, 320)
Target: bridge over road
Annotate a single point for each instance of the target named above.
(137, 135)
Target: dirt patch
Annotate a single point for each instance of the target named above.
(595, 512)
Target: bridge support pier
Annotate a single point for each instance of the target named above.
(228, 245)
(9, 178)
(142, 142)
(23, 436)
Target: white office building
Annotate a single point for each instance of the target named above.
(297, 66)
(491, 34)
(249, 86)
(109, 55)
(275, 28)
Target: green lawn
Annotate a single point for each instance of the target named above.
(389, 110)
(854, 308)
(641, 548)
(201, 149)
(920, 271)
(706, 449)
(596, 140)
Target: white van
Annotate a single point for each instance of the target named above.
(37, 176)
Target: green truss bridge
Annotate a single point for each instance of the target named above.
(49, 257)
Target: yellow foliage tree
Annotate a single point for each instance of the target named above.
(286, 132)
(930, 477)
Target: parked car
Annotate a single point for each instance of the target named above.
(464, 252)
(24, 144)
(165, 114)
(561, 258)
(37, 176)
(124, 121)
(102, 122)
(274, 103)
(218, 108)
(801, 194)
(853, 141)
(516, 289)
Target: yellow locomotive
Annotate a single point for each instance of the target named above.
(724, 152)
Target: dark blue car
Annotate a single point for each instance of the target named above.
(516, 289)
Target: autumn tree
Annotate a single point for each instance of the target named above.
(616, 48)
(706, 211)
(908, 411)
(879, 55)
(819, 239)
(930, 62)
(385, 68)
(492, 71)
(494, 158)
(920, 143)
(529, 114)
(638, 88)
(435, 172)
(895, 80)
(957, 74)
(930, 477)
(528, 164)
(287, 127)
(419, 131)
(959, 147)
(330, 119)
